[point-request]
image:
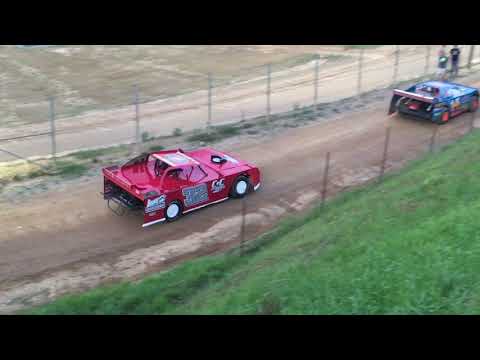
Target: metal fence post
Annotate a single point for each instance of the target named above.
(470, 56)
(210, 82)
(325, 178)
(385, 154)
(137, 117)
(52, 128)
(427, 59)
(269, 89)
(242, 228)
(360, 66)
(433, 138)
(395, 66)
(315, 96)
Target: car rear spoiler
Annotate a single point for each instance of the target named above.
(132, 189)
(398, 94)
(410, 95)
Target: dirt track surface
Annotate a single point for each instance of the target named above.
(62, 242)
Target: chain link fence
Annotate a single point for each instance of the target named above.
(62, 123)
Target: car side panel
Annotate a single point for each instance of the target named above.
(251, 172)
(438, 111)
(460, 104)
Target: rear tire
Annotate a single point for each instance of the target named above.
(445, 118)
(173, 211)
(240, 187)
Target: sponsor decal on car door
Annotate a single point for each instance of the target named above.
(195, 195)
(218, 186)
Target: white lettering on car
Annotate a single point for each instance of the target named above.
(155, 204)
(218, 185)
(195, 195)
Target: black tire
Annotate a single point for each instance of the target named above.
(176, 215)
(473, 104)
(445, 115)
(240, 187)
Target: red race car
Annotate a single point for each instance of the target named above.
(167, 184)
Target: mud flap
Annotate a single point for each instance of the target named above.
(154, 211)
(393, 104)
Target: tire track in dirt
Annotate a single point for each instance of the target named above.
(65, 242)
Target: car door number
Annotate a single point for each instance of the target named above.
(195, 195)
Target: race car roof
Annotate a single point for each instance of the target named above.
(175, 159)
(444, 88)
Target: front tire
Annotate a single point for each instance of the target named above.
(173, 211)
(240, 187)
(473, 104)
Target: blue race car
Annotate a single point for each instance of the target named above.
(435, 101)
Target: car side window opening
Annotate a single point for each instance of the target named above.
(185, 173)
(175, 173)
(202, 170)
(430, 90)
(198, 174)
(160, 167)
(177, 177)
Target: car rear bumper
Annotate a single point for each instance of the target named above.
(417, 114)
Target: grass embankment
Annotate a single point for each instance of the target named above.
(408, 246)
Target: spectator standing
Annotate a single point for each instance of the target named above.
(442, 62)
(455, 59)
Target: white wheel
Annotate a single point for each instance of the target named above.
(173, 211)
(241, 187)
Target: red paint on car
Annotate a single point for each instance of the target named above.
(194, 179)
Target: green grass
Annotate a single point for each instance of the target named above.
(215, 134)
(410, 245)
(93, 154)
(155, 148)
(71, 165)
(204, 137)
(248, 125)
(69, 169)
(177, 132)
